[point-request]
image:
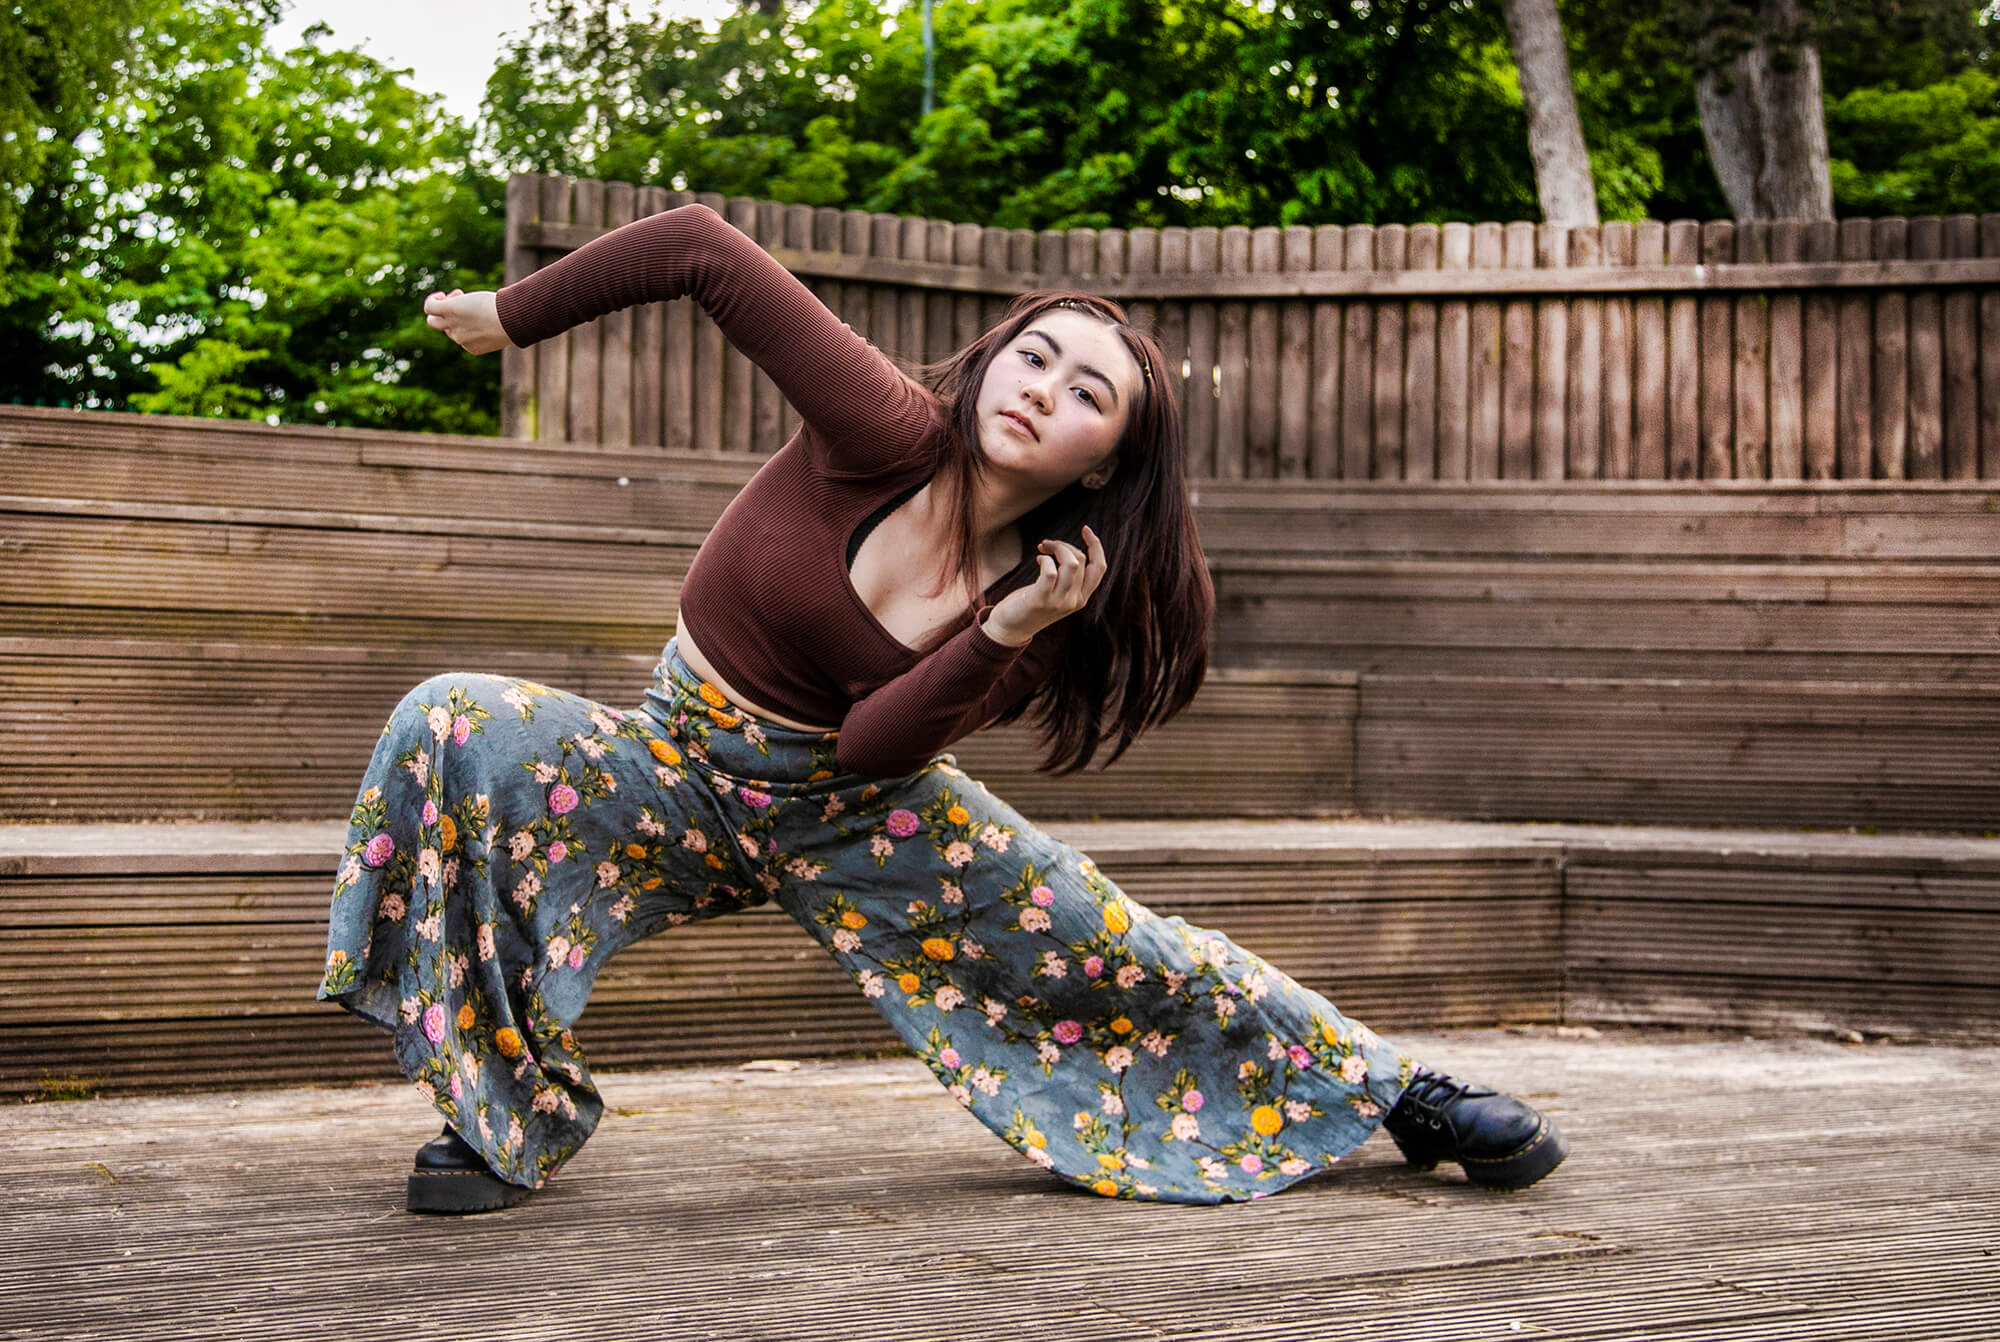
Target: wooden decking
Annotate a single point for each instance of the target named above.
(1719, 1188)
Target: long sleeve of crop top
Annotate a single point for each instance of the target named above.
(867, 415)
(960, 687)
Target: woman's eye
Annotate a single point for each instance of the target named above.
(1088, 399)
(1032, 357)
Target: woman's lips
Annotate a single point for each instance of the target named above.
(1022, 420)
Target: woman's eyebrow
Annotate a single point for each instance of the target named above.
(1083, 368)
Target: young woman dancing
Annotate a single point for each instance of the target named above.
(1009, 535)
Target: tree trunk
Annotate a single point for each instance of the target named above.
(1555, 134)
(1765, 124)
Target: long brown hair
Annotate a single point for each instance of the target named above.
(1137, 651)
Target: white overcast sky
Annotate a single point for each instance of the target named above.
(450, 46)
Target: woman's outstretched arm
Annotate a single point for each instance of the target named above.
(871, 414)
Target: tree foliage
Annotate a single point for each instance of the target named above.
(243, 232)
(205, 225)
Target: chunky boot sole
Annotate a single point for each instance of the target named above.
(461, 1192)
(1529, 1163)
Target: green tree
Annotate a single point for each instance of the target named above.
(245, 232)
(58, 59)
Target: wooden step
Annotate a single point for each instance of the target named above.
(188, 953)
(123, 729)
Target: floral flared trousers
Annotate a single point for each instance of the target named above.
(509, 839)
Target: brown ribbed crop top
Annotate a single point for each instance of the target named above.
(768, 598)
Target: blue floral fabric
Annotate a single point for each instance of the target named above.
(509, 839)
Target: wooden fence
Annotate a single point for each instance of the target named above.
(1863, 349)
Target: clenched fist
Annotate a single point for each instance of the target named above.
(472, 319)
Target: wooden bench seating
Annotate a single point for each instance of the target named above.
(1815, 655)
(209, 622)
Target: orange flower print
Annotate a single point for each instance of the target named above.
(635, 850)
(663, 752)
(448, 832)
(854, 919)
(937, 948)
(1105, 1188)
(1266, 1120)
(711, 696)
(1116, 921)
(958, 815)
(909, 983)
(465, 1017)
(508, 1040)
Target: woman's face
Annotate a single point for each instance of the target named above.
(1056, 399)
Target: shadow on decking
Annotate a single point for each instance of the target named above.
(1719, 1187)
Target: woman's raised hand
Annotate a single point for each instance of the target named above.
(1067, 578)
(472, 319)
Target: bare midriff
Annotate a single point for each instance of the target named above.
(699, 664)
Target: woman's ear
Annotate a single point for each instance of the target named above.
(1099, 477)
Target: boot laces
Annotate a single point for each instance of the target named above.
(1430, 1093)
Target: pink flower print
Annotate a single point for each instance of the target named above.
(1047, 1054)
(1251, 1163)
(1067, 1031)
(461, 729)
(520, 844)
(457, 1087)
(1093, 966)
(994, 837)
(754, 799)
(1300, 1058)
(607, 875)
(1185, 1128)
(1043, 896)
(695, 841)
(1118, 1058)
(845, 941)
(1368, 1109)
(958, 853)
(1034, 920)
(1354, 1069)
(576, 956)
(558, 851)
(1113, 1105)
(562, 799)
(1192, 1101)
(439, 719)
(391, 907)
(948, 998)
(430, 812)
(378, 850)
(545, 773)
(1298, 1111)
(960, 1093)
(485, 941)
(558, 950)
(901, 823)
(1292, 1166)
(434, 1022)
(949, 1057)
(879, 846)
(603, 723)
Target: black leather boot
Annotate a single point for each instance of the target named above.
(452, 1179)
(1499, 1141)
